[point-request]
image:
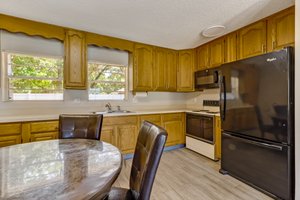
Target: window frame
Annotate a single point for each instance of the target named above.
(126, 90)
(4, 77)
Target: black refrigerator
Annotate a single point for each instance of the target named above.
(257, 113)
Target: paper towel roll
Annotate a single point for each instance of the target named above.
(141, 94)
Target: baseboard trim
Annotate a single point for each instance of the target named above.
(169, 148)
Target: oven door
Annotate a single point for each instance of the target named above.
(200, 127)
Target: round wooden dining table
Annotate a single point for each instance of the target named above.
(59, 169)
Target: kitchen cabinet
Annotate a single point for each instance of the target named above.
(281, 30)
(75, 66)
(217, 130)
(44, 130)
(143, 68)
(160, 69)
(202, 57)
(185, 76)
(165, 69)
(216, 53)
(10, 134)
(230, 51)
(252, 40)
(108, 134)
(174, 124)
(127, 137)
(171, 74)
(121, 131)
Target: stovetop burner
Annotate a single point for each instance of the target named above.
(213, 112)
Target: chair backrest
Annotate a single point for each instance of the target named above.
(80, 126)
(149, 147)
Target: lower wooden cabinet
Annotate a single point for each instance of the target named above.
(107, 134)
(119, 131)
(10, 134)
(44, 130)
(174, 125)
(126, 138)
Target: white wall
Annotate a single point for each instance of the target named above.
(297, 100)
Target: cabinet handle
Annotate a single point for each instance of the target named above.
(273, 45)
(263, 48)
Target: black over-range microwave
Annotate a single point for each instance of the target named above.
(205, 79)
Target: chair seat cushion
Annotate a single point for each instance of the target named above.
(120, 193)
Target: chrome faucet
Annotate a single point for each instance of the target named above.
(108, 106)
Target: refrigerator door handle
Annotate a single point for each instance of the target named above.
(261, 144)
(223, 111)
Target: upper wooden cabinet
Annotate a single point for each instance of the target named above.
(143, 68)
(186, 64)
(216, 53)
(202, 57)
(230, 51)
(252, 40)
(171, 72)
(281, 30)
(160, 69)
(75, 69)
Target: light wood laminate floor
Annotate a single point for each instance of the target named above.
(184, 174)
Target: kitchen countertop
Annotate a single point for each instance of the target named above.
(24, 118)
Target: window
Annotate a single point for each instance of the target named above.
(107, 74)
(31, 67)
(33, 77)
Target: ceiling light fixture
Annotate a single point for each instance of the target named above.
(213, 31)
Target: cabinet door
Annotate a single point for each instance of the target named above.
(231, 47)
(174, 123)
(126, 139)
(281, 30)
(185, 78)
(171, 74)
(160, 68)
(10, 134)
(218, 137)
(142, 68)
(75, 70)
(44, 130)
(174, 129)
(107, 134)
(216, 53)
(202, 57)
(252, 40)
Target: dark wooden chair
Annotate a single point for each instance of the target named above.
(148, 151)
(80, 126)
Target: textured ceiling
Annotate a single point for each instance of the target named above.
(175, 24)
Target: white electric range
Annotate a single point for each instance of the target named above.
(200, 129)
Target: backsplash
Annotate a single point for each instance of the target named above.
(75, 102)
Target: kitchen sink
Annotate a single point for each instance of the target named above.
(113, 111)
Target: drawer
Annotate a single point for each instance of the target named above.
(44, 136)
(45, 126)
(10, 140)
(151, 118)
(10, 129)
(172, 117)
(119, 120)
